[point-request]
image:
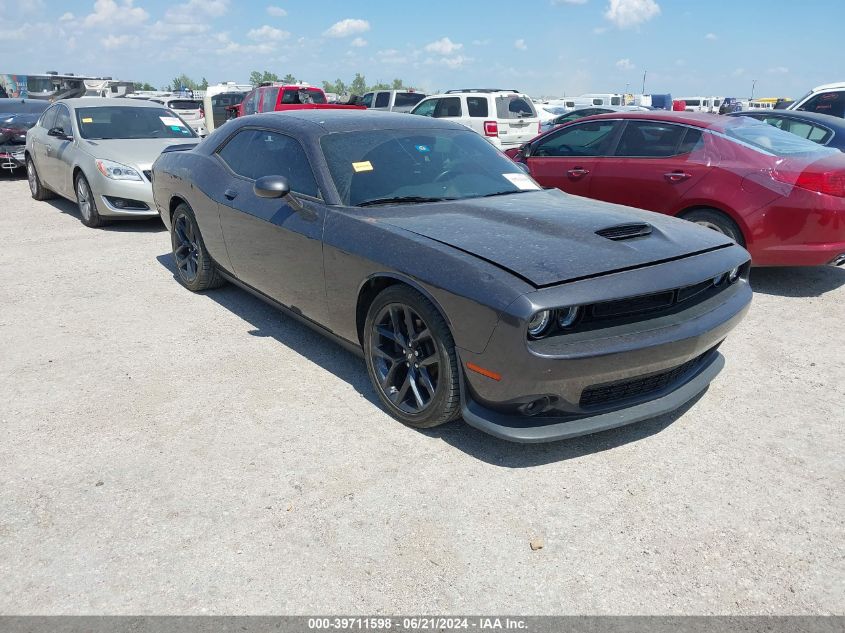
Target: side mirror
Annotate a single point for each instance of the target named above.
(525, 150)
(58, 133)
(271, 187)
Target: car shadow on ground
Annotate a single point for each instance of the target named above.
(267, 321)
(17, 174)
(146, 225)
(812, 281)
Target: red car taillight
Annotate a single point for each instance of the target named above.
(491, 128)
(831, 183)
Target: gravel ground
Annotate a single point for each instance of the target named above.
(165, 452)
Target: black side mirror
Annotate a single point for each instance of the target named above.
(58, 133)
(271, 187)
(525, 150)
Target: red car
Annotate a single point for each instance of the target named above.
(779, 195)
(279, 97)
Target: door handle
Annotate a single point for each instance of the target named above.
(677, 176)
(230, 194)
(578, 172)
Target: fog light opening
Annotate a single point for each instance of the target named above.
(536, 407)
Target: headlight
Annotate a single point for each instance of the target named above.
(733, 275)
(116, 171)
(566, 317)
(539, 323)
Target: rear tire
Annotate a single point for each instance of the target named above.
(87, 203)
(36, 189)
(194, 267)
(716, 221)
(411, 358)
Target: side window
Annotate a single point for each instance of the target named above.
(598, 101)
(271, 95)
(693, 141)
(48, 119)
(585, 139)
(251, 102)
(808, 131)
(256, 153)
(405, 99)
(448, 107)
(426, 108)
(832, 103)
(650, 139)
(63, 120)
(819, 135)
(382, 99)
(367, 100)
(477, 106)
(775, 121)
(615, 101)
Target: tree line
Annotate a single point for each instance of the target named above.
(357, 86)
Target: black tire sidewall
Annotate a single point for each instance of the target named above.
(94, 220)
(206, 277)
(443, 407)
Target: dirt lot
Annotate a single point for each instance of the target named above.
(164, 452)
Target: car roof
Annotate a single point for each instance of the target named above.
(494, 93)
(697, 119)
(816, 117)
(102, 102)
(833, 86)
(330, 120)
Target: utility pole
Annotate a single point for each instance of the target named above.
(753, 86)
(644, 76)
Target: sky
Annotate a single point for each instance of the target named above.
(542, 47)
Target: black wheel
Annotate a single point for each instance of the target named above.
(717, 221)
(36, 189)
(87, 203)
(411, 358)
(194, 266)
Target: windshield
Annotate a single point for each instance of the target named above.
(130, 122)
(773, 140)
(423, 164)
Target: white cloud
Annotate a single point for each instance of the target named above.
(520, 45)
(711, 37)
(456, 61)
(347, 27)
(554, 2)
(778, 70)
(484, 42)
(267, 33)
(276, 12)
(109, 12)
(738, 72)
(625, 64)
(600, 30)
(120, 41)
(629, 13)
(358, 42)
(443, 46)
(66, 17)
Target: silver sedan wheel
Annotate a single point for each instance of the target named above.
(32, 177)
(83, 197)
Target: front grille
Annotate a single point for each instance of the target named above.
(611, 392)
(625, 231)
(148, 174)
(634, 305)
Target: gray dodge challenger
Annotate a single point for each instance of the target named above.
(468, 290)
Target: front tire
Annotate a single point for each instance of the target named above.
(36, 189)
(194, 267)
(411, 358)
(87, 203)
(716, 221)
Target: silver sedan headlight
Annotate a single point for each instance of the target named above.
(116, 171)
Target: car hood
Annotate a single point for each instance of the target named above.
(134, 152)
(549, 237)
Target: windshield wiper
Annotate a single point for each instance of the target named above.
(506, 193)
(399, 200)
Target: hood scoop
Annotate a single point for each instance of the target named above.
(625, 231)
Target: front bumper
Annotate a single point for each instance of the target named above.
(12, 157)
(587, 381)
(515, 428)
(108, 191)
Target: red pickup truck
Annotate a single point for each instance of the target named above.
(277, 98)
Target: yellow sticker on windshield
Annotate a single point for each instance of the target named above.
(88, 120)
(362, 166)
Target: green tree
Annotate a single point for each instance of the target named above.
(358, 85)
(289, 79)
(203, 84)
(338, 87)
(379, 86)
(183, 81)
(256, 77)
(143, 86)
(398, 84)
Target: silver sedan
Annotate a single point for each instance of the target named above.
(99, 154)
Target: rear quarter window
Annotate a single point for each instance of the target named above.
(477, 107)
(382, 100)
(406, 99)
(514, 107)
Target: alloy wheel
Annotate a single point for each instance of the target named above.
(32, 177)
(83, 197)
(712, 226)
(186, 249)
(406, 358)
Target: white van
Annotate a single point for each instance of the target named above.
(392, 100)
(602, 99)
(824, 99)
(506, 118)
(218, 97)
(701, 104)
